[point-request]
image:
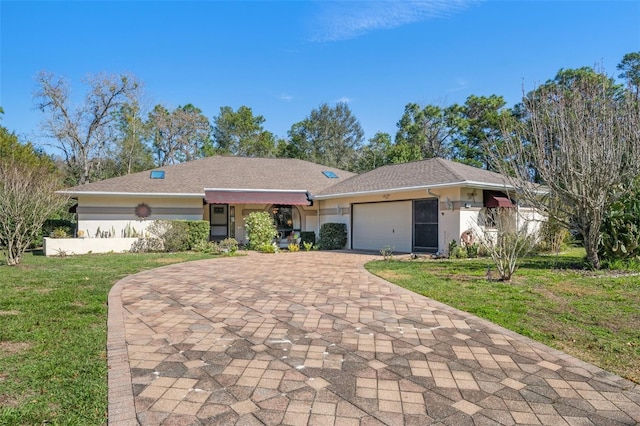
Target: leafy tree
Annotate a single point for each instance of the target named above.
(83, 132)
(180, 135)
(132, 154)
(428, 131)
(375, 153)
(630, 70)
(479, 127)
(582, 139)
(28, 181)
(328, 136)
(241, 133)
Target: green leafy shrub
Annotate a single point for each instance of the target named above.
(147, 245)
(307, 237)
(333, 236)
(207, 247)
(50, 225)
(228, 246)
(472, 250)
(180, 235)
(307, 245)
(260, 230)
(620, 232)
(293, 247)
(197, 232)
(455, 251)
(59, 233)
(268, 248)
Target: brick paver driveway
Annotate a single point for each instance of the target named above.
(312, 338)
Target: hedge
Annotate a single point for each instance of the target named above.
(333, 236)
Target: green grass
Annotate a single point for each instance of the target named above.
(53, 332)
(594, 316)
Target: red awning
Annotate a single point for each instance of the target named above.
(215, 196)
(495, 200)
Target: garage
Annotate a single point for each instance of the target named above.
(377, 225)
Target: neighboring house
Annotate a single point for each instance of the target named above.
(412, 207)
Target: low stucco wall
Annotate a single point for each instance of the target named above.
(71, 246)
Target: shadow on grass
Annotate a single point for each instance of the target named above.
(555, 262)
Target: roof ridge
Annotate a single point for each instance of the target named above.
(447, 165)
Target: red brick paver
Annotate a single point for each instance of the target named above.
(312, 338)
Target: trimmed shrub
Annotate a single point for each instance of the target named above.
(176, 237)
(307, 237)
(260, 230)
(197, 232)
(180, 235)
(333, 236)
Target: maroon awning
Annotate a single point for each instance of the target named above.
(497, 200)
(216, 196)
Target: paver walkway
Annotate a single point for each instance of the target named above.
(312, 338)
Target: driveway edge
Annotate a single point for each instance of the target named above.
(121, 408)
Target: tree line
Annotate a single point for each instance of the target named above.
(109, 134)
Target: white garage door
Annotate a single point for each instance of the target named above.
(377, 225)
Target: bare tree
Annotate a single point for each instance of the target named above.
(84, 132)
(27, 198)
(581, 139)
(507, 237)
(180, 135)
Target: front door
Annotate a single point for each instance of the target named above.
(219, 221)
(425, 226)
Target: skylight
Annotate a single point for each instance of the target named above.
(157, 174)
(330, 174)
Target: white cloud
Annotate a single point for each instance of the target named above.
(344, 100)
(285, 97)
(461, 84)
(346, 20)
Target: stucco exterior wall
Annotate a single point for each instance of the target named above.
(116, 215)
(73, 246)
(339, 209)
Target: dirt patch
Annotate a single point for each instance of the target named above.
(78, 304)
(10, 348)
(7, 313)
(8, 401)
(171, 260)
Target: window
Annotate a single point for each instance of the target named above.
(330, 174)
(157, 174)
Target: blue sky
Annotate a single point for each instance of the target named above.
(283, 59)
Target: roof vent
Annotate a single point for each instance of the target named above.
(330, 174)
(157, 174)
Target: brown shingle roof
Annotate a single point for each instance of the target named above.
(434, 171)
(222, 172)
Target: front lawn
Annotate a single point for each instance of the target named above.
(594, 316)
(53, 313)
